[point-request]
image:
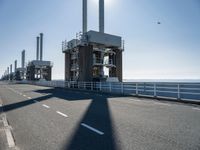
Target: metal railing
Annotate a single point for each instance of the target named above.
(188, 91)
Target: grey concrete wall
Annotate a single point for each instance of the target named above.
(119, 65)
(85, 63)
(67, 66)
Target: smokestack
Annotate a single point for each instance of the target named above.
(23, 59)
(41, 46)
(37, 48)
(101, 16)
(10, 68)
(8, 71)
(15, 65)
(84, 16)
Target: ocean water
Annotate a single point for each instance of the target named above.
(164, 80)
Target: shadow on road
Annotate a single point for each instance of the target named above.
(97, 115)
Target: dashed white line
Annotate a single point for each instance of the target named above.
(93, 129)
(29, 97)
(196, 108)
(62, 114)
(137, 100)
(46, 106)
(24, 95)
(165, 104)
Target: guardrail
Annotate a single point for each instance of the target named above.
(188, 91)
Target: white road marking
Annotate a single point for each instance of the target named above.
(24, 95)
(157, 103)
(45, 106)
(10, 139)
(64, 115)
(91, 128)
(196, 108)
(29, 97)
(20, 94)
(137, 100)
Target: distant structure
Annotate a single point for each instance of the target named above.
(93, 55)
(39, 69)
(20, 73)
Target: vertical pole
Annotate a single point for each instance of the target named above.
(84, 84)
(41, 46)
(37, 47)
(15, 65)
(91, 85)
(84, 16)
(136, 88)
(179, 95)
(101, 16)
(110, 87)
(100, 86)
(122, 88)
(155, 93)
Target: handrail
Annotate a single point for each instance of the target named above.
(175, 90)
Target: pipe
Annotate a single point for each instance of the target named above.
(41, 46)
(84, 16)
(101, 16)
(37, 47)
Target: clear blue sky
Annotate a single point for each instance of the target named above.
(170, 50)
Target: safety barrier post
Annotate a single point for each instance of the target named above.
(154, 89)
(178, 92)
(136, 86)
(110, 87)
(122, 88)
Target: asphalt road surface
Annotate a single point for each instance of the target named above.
(43, 118)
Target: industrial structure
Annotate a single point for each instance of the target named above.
(20, 73)
(39, 69)
(35, 70)
(93, 55)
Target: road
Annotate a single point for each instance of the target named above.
(44, 118)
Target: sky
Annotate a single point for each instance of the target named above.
(170, 50)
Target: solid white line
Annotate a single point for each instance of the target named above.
(64, 115)
(10, 139)
(91, 128)
(196, 108)
(9, 136)
(45, 106)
